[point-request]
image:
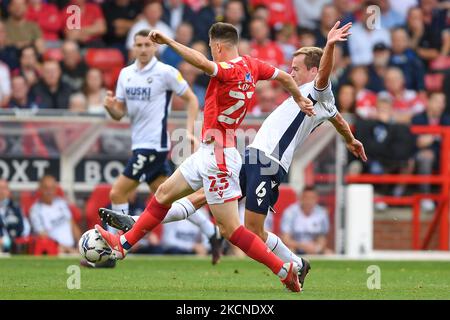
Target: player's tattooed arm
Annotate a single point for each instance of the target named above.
(353, 145)
(327, 60)
(115, 108)
(192, 56)
(289, 84)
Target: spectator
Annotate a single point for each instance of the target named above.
(307, 38)
(47, 17)
(309, 12)
(235, 15)
(364, 37)
(402, 7)
(78, 103)
(262, 47)
(152, 12)
(21, 32)
(260, 12)
(190, 74)
(281, 12)
(5, 85)
(287, 40)
(405, 59)
(12, 222)
(346, 102)
(176, 12)
(209, 14)
(121, 15)
(377, 70)
(435, 21)
(73, 67)
(406, 103)
(202, 79)
(21, 97)
(183, 237)
(51, 217)
(51, 92)
(92, 24)
(266, 97)
(8, 53)
(365, 99)
(305, 225)
(347, 10)
(428, 146)
(29, 67)
(95, 91)
(328, 18)
(184, 35)
(388, 145)
(389, 17)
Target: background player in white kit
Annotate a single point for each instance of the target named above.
(144, 92)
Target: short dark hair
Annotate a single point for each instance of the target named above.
(309, 188)
(142, 33)
(224, 32)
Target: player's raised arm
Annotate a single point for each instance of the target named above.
(289, 84)
(327, 61)
(192, 56)
(115, 108)
(353, 145)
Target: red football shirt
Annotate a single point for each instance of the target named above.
(230, 93)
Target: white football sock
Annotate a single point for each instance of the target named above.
(121, 207)
(180, 210)
(277, 246)
(200, 219)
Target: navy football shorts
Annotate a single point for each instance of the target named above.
(147, 165)
(260, 178)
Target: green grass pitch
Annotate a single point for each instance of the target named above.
(192, 278)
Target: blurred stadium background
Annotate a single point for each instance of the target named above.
(386, 79)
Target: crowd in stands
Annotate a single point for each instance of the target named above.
(393, 72)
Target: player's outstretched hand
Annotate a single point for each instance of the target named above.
(357, 148)
(341, 34)
(306, 106)
(158, 37)
(109, 100)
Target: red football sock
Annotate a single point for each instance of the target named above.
(255, 248)
(149, 219)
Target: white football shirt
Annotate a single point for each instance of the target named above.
(147, 94)
(286, 128)
(55, 219)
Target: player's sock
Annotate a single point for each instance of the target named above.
(121, 207)
(256, 249)
(277, 246)
(180, 210)
(203, 222)
(149, 219)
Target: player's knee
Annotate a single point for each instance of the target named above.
(162, 194)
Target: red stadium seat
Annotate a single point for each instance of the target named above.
(104, 59)
(434, 81)
(99, 198)
(287, 197)
(53, 54)
(109, 61)
(441, 63)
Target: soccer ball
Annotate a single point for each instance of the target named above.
(93, 248)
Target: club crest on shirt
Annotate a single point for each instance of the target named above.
(149, 80)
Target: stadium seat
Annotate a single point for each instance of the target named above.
(434, 81)
(441, 63)
(53, 54)
(287, 197)
(99, 198)
(109, 61)
(43, 245)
